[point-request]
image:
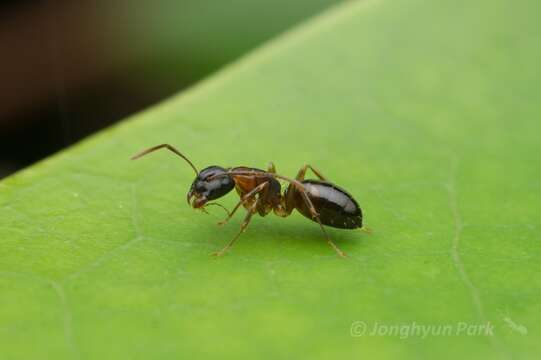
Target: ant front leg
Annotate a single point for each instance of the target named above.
(243, 227)
(245, 198)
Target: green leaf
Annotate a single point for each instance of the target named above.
(426, 111)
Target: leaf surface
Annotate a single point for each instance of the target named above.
(427, 112)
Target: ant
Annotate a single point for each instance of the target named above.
(260, 191)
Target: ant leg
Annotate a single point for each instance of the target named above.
(243, 227)
(243, 200)
(290, 205)
(295, 186)
(315, 215)
(302, 172)
(271, 168)
(290, 199)
(317, 172)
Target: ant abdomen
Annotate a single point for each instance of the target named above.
(336, 207)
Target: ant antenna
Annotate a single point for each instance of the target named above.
(168, 147)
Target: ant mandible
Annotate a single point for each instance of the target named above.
(318, 200)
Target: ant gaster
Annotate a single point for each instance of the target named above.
(260, 192)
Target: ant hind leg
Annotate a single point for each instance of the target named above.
(271, 168)
(290, 203)
(304, 168)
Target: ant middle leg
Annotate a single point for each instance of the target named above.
(251, 211)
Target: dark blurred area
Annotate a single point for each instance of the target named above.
(70, 68)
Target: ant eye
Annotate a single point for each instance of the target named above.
(200, 187)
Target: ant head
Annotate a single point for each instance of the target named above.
(211, 183)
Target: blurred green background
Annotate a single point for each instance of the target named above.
(70, 68)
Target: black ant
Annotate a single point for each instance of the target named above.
(318, 200)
